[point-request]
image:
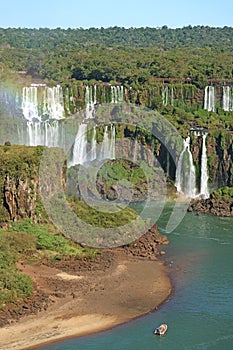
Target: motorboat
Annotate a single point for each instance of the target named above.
(160, 330)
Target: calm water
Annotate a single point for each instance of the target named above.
(200, 312)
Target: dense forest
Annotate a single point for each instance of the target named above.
(133, 56)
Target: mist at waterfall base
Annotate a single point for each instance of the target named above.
(199, 313)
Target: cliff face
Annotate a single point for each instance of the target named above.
(19, 183)
(219, 146)
(19, 172)
(20, 197)
(221, 165)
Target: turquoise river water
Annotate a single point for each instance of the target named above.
(199, 313)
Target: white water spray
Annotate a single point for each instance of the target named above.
(227, 98)
(204, 191)
(209, 98)
(42, 107)
(185, 172)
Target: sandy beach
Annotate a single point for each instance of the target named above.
(85, 298)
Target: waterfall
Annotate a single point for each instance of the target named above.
(185, 172)
(227, 98)
(168, 95)
(30, 104)
(204, 191)
(165, 95)
(84, 152)
(80, 146)
(53, 103)
(172, 96)
(209, 98)
(42, 103)
(93, 151)
(108, 145)
(42, 107)
(68, 101)
(48, 134)
(112, 143)
(90, 101)
(117, 94)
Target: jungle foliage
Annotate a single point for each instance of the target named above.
(127, 56)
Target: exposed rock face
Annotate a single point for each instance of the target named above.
(219, 207)
(220, 155)
(147, 245)
(20, 182)
(20, 197)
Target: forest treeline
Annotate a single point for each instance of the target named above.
(127, 56)
(164, 38)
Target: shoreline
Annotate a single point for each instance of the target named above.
(87, 298)
(89, 333)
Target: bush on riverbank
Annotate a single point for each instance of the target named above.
(31, 242)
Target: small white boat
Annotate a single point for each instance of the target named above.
(161, 330)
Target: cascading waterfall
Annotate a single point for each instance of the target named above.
(209, 98)
(165, 95)
(44, 134)
(84, 152)
(112, 142)
(204, 191)
(185, 172)
(93, 151)
(108, 145)
(105, 145)
(80, 146)
(90, 101)
(68, 101)
(42, 107)
(168, 95)
(53, 103)
(172, 96)
(227, 98)
(117, 94)
(30, 104)
(48, 134)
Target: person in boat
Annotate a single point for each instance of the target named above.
(157, 331)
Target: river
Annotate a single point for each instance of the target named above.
(199, 313)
